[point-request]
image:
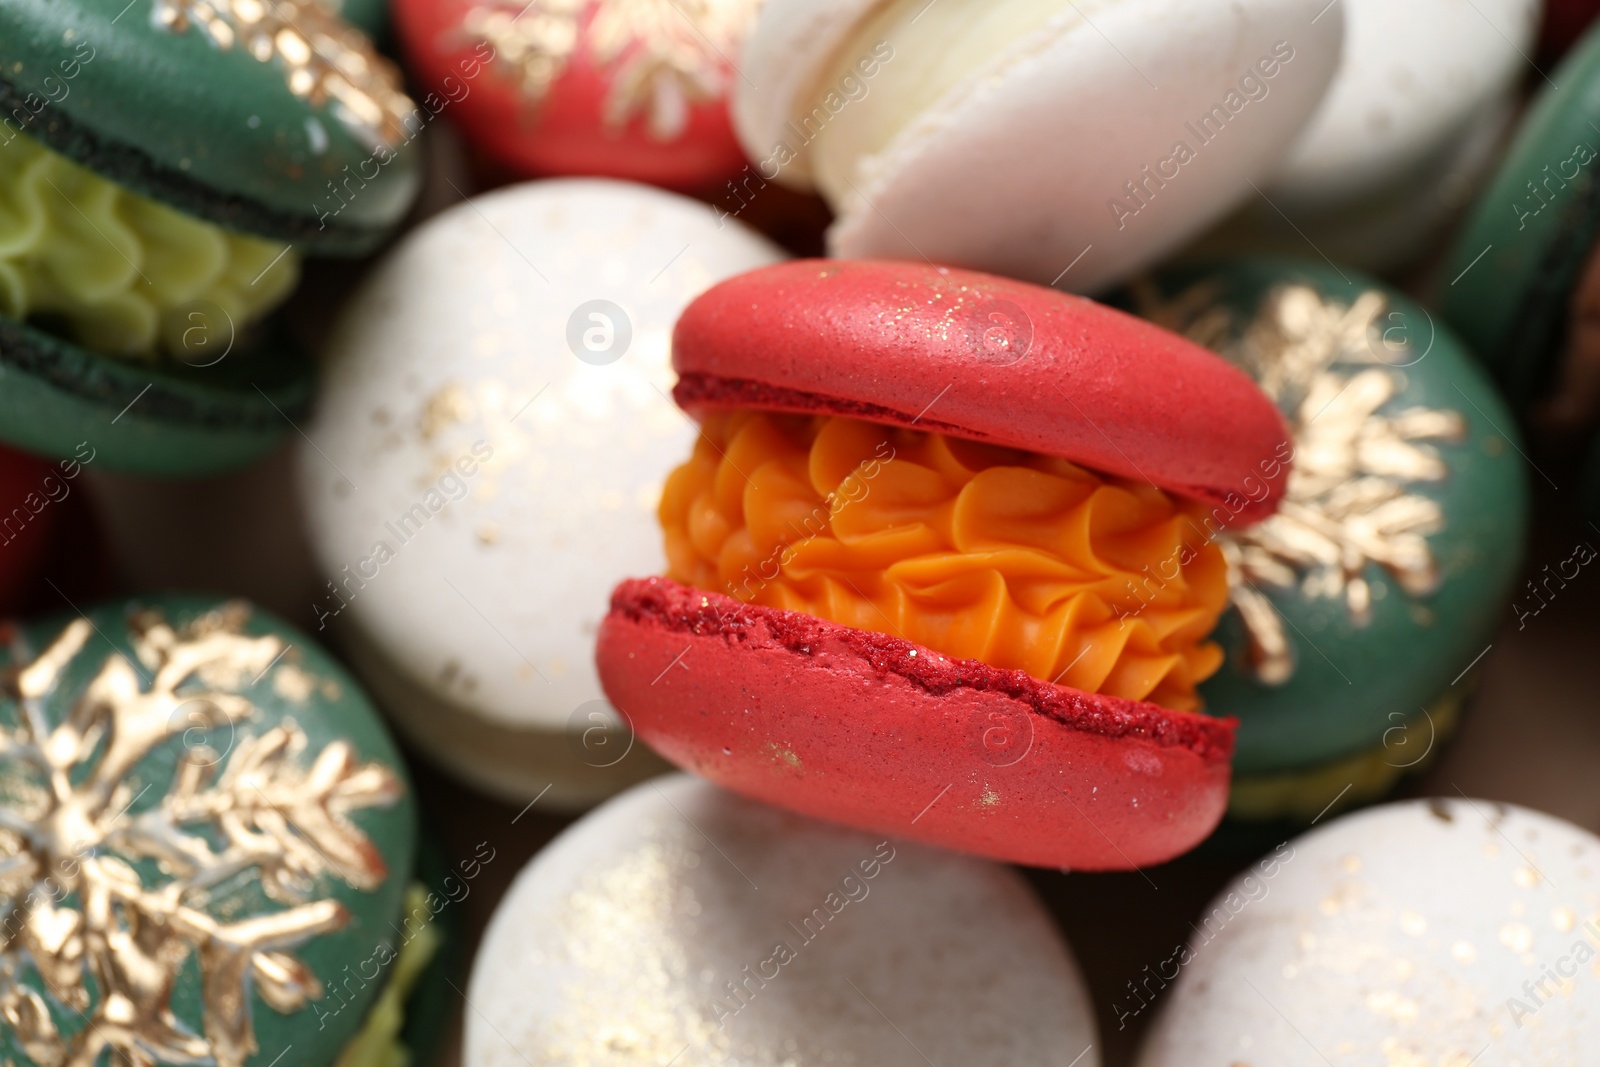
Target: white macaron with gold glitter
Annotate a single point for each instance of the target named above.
(494, 429)
(1059, 142)
(681, 924)
(1439, 932)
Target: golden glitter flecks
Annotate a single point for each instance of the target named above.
(1413, 924)
(1350, 502)
(109, 941)
(325, 61)
(660, 56)
(1516, 937)
(1563, 919)
(445, 407)
(1464, 953)
(637, 1001)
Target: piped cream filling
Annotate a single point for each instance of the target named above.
(935, 48)
(122, 274)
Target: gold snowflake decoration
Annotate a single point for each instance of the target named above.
(667, 54)
(76, 913)
(1349, 501)
(324, 59)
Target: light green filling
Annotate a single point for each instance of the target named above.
(119, 273)
(378, 1043)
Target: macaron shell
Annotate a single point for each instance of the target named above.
(1019, 172)
(990, 359)
(1506, 283)
(1394, 103)
(790, 43)
(882, 734)
(212, 129)
(569, 127)
(304, 691)
(468, 345)
(622, 942)
(1416, 422)
(60, 400)
(1410, 933)
(30, 488)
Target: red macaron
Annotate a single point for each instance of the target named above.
(1066, 427)
(632, 89)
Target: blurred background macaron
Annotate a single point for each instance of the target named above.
(488, 451)
(1363, 607)
(160, 176)
(194, 770)
(1447, 931)
(634, 89)
(1521, 284)
(1035, 140)
(680, 923)
(1416, 115)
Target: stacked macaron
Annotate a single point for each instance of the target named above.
(943, 562)
(209, 847)
(489, 448)
(1063, 143)
(1360, 612)
(633, 89)
(161, 174)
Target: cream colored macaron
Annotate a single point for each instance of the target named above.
(1421, 101)
(683, 925)
(1068, 143)
(1439, 932)
(495, 425)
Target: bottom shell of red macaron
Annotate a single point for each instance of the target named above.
(882, 734)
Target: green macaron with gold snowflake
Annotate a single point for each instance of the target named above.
(164, 166)
(208, 847)
(1363, 608)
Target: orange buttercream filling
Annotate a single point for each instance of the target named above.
(1016, 559)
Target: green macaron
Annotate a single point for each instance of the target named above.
(164, 165)
(207, 846)
(1507, 285)
(1361, 608)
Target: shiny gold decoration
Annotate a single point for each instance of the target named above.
(668, 54)
(81, 907)
(1348, 501)
(324, 59)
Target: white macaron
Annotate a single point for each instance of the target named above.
(681, 924)
(1439, 932)
(1064, 143)
(494, 429)
(1422, 98)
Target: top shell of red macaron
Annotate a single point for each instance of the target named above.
(990, 359)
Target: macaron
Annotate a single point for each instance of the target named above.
(1042, 141)
(207, 841)
(1520, 285)
(1359, 612)
(1432, 931)
(1411, 125)
(494, 430)
(942, 562)
(682, 921)
(633, 89)
(31, 493)
(1564, 22)
(162, 174)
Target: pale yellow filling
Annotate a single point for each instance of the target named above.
(119, 273)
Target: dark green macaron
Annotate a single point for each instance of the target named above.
(1507, 285)
(273, 119)
(164, 165)
(1361, 607)
(209, 840)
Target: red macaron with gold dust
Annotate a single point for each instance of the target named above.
(633, 89)
(943, 562)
